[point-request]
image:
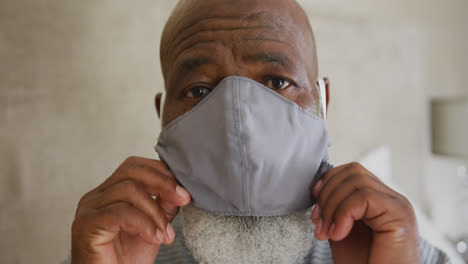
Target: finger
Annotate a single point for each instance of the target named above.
(156, 164)
(109, 221)
(371, 206)
(134, 194)
(155, 182)
(339, 190)
(169, 209)
(336, 178)
(316, 213)
(330, 173)
(357, 243)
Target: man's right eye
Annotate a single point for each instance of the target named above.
(198, 92)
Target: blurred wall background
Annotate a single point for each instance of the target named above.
(78, 78)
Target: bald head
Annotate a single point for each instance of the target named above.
(281, 15)
(205, 41)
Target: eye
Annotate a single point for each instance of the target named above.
(198, 92)
(277, 83)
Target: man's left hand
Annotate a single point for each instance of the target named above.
(364, 220)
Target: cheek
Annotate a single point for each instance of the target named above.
(305, 98)
(174, 111)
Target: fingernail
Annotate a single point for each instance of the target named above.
(181, 192)
(316, 212)
(331, 230)
(170, 232)
(159, 235)
(318, 185)
(318, 227)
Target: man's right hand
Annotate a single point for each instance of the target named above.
(120, 222)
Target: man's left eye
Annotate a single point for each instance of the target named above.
(277, 83)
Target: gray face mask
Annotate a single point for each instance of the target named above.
(246, 150)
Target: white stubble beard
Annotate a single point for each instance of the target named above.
(214, 239)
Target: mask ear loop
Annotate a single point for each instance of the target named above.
(323, 96)
(161, 105)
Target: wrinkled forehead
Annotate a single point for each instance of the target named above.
(192, 16)
(196, 22)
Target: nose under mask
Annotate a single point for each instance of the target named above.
(246, 150)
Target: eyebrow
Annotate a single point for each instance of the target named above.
(269, 57)
(192, 64)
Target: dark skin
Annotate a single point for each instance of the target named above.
(269, 41)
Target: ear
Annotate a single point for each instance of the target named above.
(327, 88)
(157, 103)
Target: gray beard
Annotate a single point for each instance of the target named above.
(214, 239)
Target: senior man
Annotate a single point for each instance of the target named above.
(237, 75)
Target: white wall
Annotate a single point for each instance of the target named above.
(377, 94)
(77, 80)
